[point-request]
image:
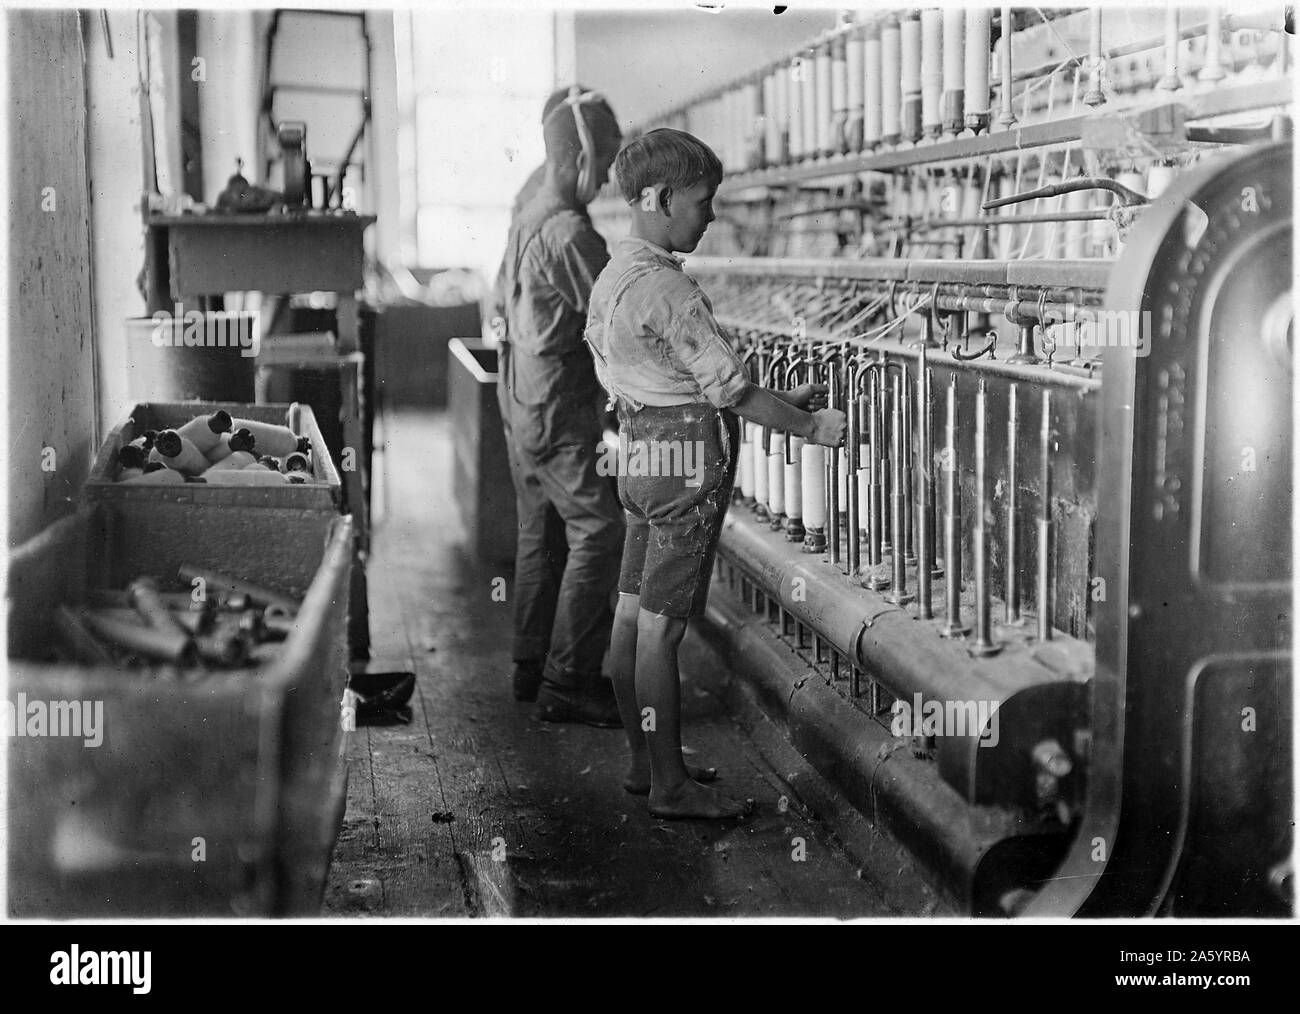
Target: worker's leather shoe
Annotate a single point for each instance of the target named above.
(592, 705)
(526, 678)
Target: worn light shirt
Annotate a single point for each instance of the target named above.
(653, 335)
(552, 258)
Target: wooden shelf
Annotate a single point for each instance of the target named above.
(1088, 275)
(1217, 102)
(303, 220)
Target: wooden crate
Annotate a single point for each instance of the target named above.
(250, 761)
(325, 494)
(214, 508)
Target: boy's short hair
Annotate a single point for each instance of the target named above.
(560, 129)
(671, 157)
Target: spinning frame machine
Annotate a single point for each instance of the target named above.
(1043, 262)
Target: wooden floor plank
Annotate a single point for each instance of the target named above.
(358, 838)
(416, 858)
(484, 810)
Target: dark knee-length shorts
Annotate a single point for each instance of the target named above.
(674, 513)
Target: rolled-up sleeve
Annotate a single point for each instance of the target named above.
(694, 336)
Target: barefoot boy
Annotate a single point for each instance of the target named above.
(679, 387)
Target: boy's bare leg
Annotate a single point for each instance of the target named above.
(673, 792)
(622, 670)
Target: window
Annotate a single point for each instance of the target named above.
(470, 128)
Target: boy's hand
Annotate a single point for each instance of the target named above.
(809, 397)
(829, 426)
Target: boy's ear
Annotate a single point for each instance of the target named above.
(665, 199)
(654, 198)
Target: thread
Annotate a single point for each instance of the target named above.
(839, 97)
(771, 126)
(977, 97)
(855, 90)
(1159, 177)
(932, 65)
(954, 68)
(794, 480)
(813, 485)
(752, 131)
(891, 63)
(795, 76)
(864, 489)
(910, 75)
(745, 463)
(824, 100)
(873, 79)
(811, 111)
(779, 154)
(776, 474)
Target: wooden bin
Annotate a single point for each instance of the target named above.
(196, 505)
(411, 351)
(246, 766)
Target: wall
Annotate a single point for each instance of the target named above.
(647, 61)
(95, 239)
(160, 70)
(51, 353)
(117, 181)
(384, 237)
(229, 99)
(5, 335)
(229, 95)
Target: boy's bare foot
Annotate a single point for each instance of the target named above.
(637, 781)
(693, 800)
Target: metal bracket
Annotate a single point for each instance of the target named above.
(866, 624)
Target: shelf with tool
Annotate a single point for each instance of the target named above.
(964, 222)
(205, 255)
(276, 244)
